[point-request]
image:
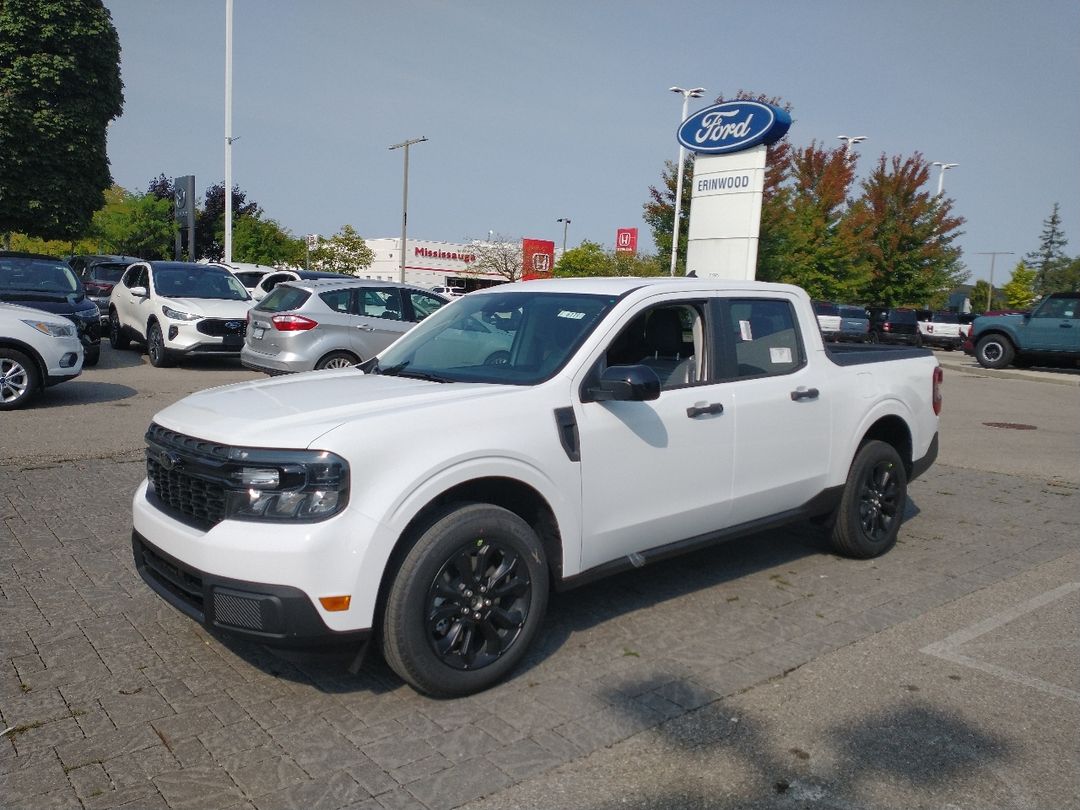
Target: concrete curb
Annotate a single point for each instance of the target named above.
(971, 366)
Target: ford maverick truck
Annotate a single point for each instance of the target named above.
(620, 422)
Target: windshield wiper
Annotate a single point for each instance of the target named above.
(397, 370)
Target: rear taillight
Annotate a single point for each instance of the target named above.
(885, 327)
(98, 288)
(939, 375)
(293, 323)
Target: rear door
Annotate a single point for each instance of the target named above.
(379, 319)
(782, 405)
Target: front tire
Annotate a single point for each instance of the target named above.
(155, 348)
(994, 351)
(19, 379)
(872, 505)
(117, 338)
(466, 602)
(91, 355)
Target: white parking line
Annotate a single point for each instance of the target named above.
(947, 649)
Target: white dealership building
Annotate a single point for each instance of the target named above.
(428, 264)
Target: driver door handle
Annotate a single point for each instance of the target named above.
(705, 410)
(804, 393)
(365, 328)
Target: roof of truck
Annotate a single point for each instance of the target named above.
(621, 285)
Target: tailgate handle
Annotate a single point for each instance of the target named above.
(804, 393)
(705, 410)
(365, 328)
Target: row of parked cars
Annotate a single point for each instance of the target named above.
(277, 321)
(874, 324)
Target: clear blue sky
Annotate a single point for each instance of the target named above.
(541, 110)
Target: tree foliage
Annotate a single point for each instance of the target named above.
(1049, 260)
(980, 293)
(590, 259)
(264, 241)
(59, 88)
(500, 255)
(1019, 292)
(344, 252)
(134, 225)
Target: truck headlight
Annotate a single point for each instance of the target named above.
(177, 315)
(277, 485)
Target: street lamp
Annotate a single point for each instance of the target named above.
(405, 199)
(941, 177)
(993, 255)
(850, 141)
(565, 224)
(687, 95)
(228, 135)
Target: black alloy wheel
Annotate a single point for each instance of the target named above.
(872, 506)
(116, 332)
(155, 348)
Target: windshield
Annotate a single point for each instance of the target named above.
(516, 338)
(37, 275)
(198, 281)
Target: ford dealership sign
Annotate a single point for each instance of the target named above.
(733, 126)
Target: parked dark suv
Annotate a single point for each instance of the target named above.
(894, 325)
(99, 275)
(49, 284)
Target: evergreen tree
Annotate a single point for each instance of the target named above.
(1020, 290)
(1049, 261)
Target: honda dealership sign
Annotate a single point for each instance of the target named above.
(537, 258)
(626, 240)
(729, 141)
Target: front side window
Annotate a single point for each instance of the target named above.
(763, 337)
(381, 302)
(516, 338)
(423, 304)
(1059, 307)
(135, 277)
(669, 339)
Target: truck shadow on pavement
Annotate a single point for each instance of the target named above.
(908, 754)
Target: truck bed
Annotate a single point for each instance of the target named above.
(857, 354)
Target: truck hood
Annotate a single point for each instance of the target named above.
(294, 410)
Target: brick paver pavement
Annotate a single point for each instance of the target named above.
(112, 698)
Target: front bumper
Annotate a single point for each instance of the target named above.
(185, 338)
(278, 615)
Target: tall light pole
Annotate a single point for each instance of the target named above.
(941, 177)
(565, 224)
(993, 255)
(687, 95)
(850, 141)
(405, 200)
(228, 137)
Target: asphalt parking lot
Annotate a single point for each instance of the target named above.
(766, 672)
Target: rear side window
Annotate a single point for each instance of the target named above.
(764, 336)
(282, 299)
(825, 308)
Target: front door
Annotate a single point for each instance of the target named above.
(1054, 326)
(656, 472)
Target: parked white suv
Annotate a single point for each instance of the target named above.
(37, 349)
(178, 309)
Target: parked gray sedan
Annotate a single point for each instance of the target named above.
(331, 323)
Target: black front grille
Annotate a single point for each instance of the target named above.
(184, 444)
(222, 327)
(191, 495)
(177, 579)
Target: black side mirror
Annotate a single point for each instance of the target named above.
(627, 384)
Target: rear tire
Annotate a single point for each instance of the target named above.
(872, 507)
(20, 381)
(994, 351)
(337, 360)
(466, 602)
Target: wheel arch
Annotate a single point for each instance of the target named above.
(894, 431)
(998, 332)
(511, 494)
(31, 352)
(349, 352)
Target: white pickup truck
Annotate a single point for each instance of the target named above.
(941, 329)
(633, 419)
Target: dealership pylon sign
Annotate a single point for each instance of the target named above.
(729, 141)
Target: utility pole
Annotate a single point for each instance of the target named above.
(565, 224)
(405, 200)
(993, 255)
(228, 135)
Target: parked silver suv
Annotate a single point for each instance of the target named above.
(331, 323)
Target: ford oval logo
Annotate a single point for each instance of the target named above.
(733, 126)
(232, 324)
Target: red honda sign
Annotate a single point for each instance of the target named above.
(626, 240)
(537, 258)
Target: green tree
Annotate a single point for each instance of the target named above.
(907, 234)
(979, 295)
(59, 88)
(1049, 260)
(1020, 291)
(134, 225)
(810, 237)
(264, 241)
(590, 259)
(344, 252)
(210, 220)
(1070, 276)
